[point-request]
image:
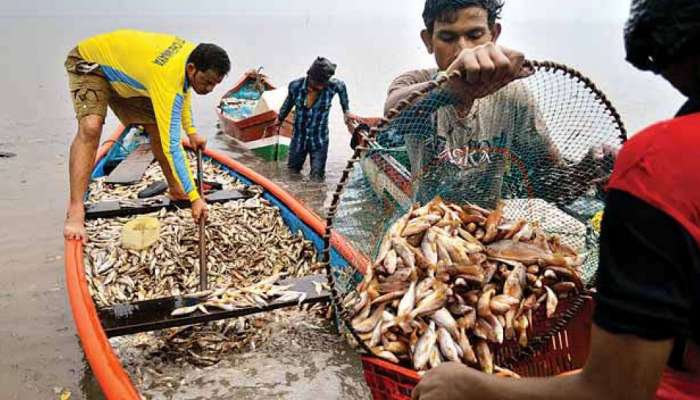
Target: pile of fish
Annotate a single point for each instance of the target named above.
(200, 345)
(451, 282)
(248, 248)
(99, 191)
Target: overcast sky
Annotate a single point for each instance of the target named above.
(606, 10)
(375, 40)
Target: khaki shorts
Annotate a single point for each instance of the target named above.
(91, 93)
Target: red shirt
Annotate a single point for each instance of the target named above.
(661, 166)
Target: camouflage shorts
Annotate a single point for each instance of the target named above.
(91, 94)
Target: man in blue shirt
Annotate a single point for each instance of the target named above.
(312, 97)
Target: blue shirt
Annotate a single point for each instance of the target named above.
(311, 124)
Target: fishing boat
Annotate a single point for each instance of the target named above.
(108, 370)
(388, 176)
(247, 114)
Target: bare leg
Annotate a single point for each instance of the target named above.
(176, 191)
(82, 159)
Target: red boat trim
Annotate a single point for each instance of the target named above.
(241, 81)
(106, 366)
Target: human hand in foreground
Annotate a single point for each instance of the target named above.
(484, 70)
(449, 381)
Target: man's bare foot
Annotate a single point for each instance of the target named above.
(74, 227)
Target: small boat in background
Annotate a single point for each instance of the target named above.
(247, 114)
(387, 174)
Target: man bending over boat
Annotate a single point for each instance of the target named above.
(479, 120)
(145, 78)
(311, 97)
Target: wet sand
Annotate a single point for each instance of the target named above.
(39, 347)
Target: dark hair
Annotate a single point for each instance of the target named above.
(662, 32)
(207, 56)
(441, 10)
(321, 70)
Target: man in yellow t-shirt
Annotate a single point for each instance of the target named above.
(145, 78)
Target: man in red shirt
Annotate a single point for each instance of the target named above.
(646, 328)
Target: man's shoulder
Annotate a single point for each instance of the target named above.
(413, 77)
(297, 83)
(336, 83)
(656, 151)
(666, 138)
(516, 93)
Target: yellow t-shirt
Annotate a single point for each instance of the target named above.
(144, 64)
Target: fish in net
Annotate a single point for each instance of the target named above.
(527, 158)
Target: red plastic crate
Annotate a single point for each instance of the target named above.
(567, 351)
(388, 381)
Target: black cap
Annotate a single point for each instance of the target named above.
(321, 70)
(661, 32)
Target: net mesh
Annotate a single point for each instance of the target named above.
(533, 148)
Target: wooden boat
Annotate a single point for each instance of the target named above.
(246, 118)
(106, 366)
(388, 177)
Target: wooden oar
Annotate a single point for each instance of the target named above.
(202, 239)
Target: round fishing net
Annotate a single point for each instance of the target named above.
(459, 198)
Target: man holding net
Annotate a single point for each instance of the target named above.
(484, 125)
(644, 341)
